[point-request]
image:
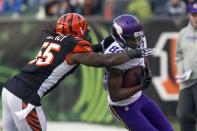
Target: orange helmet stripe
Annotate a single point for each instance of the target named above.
(67, 22)
(71, 23)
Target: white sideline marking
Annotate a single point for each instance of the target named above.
(77, 126)
(74, 126)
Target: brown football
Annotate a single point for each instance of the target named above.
(132, 77)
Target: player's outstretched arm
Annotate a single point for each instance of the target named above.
(104, 60)
(99, 60)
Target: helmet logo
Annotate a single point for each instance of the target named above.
(118, 28)
(119, 31)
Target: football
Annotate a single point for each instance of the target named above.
(132, 77)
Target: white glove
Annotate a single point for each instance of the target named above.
(183, 77)
(148, 51)
(22, 114)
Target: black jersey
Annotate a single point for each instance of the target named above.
(51, 65)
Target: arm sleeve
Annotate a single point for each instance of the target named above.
(107, 42)
(97, 48)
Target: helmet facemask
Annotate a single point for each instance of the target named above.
(133, 41)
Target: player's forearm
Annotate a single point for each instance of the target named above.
(116, 59)
(119, 58)
(104, 60)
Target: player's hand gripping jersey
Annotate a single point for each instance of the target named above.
(50, 66)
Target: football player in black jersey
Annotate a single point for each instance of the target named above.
(62, 51)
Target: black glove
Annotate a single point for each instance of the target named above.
(146, 82)
(146, 79)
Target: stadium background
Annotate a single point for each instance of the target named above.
(81, 97)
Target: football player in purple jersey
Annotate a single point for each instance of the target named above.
(62, 51)
(129, 104)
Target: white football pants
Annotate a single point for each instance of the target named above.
(35, 120)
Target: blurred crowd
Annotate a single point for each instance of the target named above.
(49, 8)
(144, 9)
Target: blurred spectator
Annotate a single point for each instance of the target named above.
(76, 7)
(51, 8)
(98, 7)
(188, 1)
(157, 6)
(88, 7)
(175, 8)
(108, 10)
(59, 7)
(186, 63)
(31, 6)
(140, 8)
(92, 7)
(12, 6)
(64, 7)
(119, 7)
(1, 5)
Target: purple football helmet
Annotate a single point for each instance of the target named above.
(127, 27)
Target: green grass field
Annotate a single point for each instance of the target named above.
(175, 125)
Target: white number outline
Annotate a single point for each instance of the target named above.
(46, 58)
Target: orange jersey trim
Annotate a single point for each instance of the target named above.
(82, 47)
